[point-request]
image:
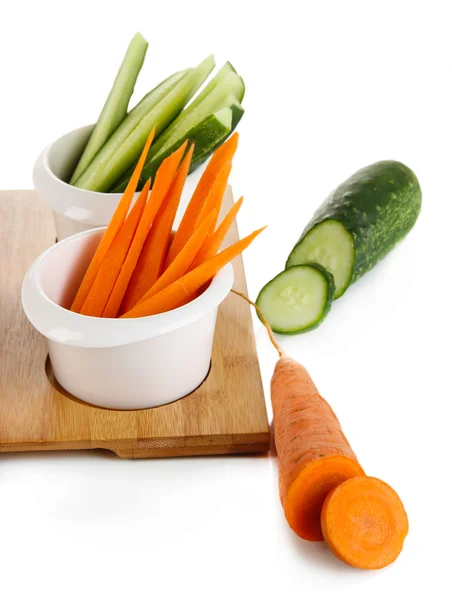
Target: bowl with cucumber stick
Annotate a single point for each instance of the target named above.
(83, 174)
(358, 224)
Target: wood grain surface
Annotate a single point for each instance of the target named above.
(225, 415)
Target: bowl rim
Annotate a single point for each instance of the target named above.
(61, 325)
(46, 165)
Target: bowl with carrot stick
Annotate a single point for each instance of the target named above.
(129, 310)
(83, 174)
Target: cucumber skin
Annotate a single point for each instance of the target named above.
(329, 301)
(201, 158)
(378, 205)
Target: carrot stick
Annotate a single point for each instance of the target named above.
(163, 179)
(182, 290)
(112, 230)
(214, 241)
(216, 193)
(364, 523)
(109, 269)
(314, 455)
(150, 264)
(184, 259)
(222, 155)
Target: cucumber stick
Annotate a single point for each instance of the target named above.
(230, 84)
(298, 299)
(210, 135)
(159, 108)
(360, 222)
(223, 91)
(225, 70)
(115, 108)
(207, 136)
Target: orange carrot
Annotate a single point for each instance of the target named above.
(214, 241)
(364, 523)
(314, 455)
(150, 264)
(225, 152)
(222, 155)
(109, 269)
(183, 261)
(163, 180)
(182, 290)
(112, 230)
(216, 193)
(323, 489)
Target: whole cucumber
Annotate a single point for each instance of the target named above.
(360, 222)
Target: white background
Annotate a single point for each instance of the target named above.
(331, 87)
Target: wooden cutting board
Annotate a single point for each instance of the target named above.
(225, 415)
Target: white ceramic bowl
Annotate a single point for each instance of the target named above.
(74, 210)
(119, 363)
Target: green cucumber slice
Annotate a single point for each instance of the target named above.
(328, 244)
(298, 299)
(124, 146)
(115, 107)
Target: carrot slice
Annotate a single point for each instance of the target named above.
(184, 259)
(150, 264)
(112, 230)
(109, 269)
(222, 155)
(182, 290)
(163, 180)
(216, 193)
(313, 453)
(364, 523)
(214, 241)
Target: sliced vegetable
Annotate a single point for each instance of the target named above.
(163, 180)
(111, 265)
(323, 488)
(207, 136)
(222, 74)
(297, 299)
(187, 225)
(209, 133)
(183, 261)
(226, 94)
(152, 258)
(231, 84)
(360, 222)
(215, 239)
(124, 146)
(115, 108)
(130, 273)
(183, 290)
(216, 193)
(314, 455)
(364, 523)
(111, 232)
(237, 113)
